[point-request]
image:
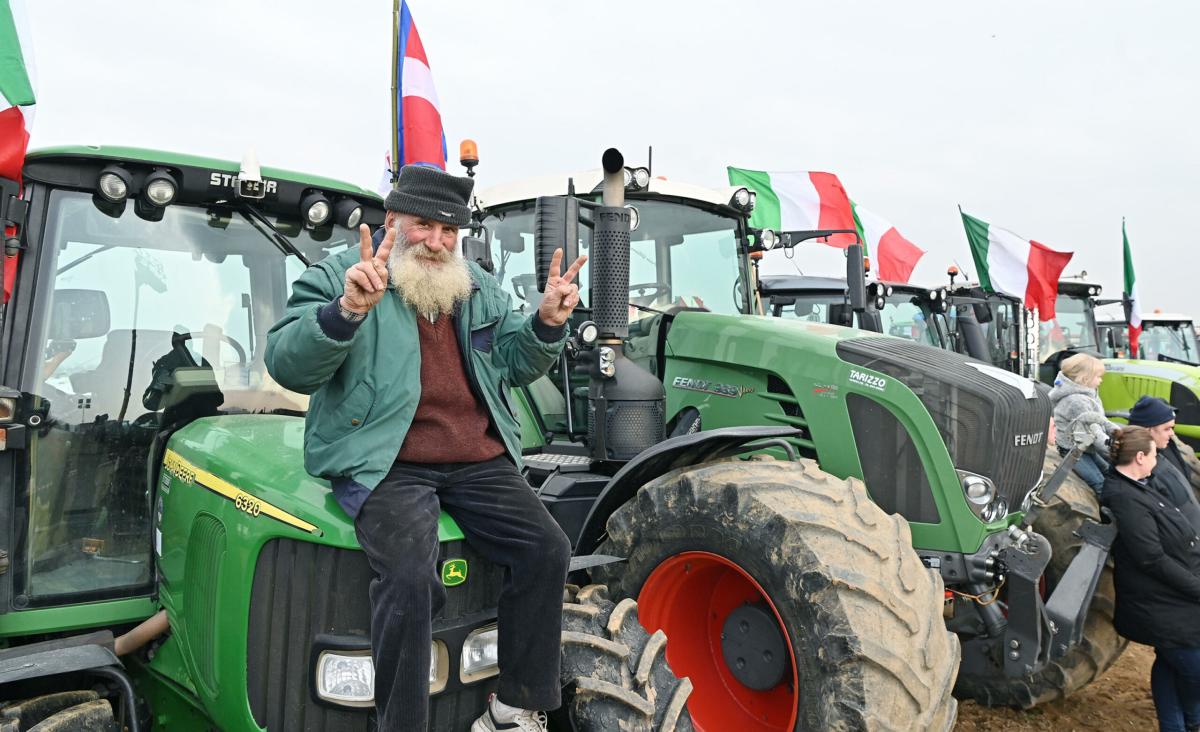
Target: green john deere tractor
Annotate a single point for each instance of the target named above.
(165, 561)
(902, 446)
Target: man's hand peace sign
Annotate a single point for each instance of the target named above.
(367, 280)
(562, 295)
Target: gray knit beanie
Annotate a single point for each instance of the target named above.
(430, 193)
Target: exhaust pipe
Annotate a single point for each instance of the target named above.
(626, 403)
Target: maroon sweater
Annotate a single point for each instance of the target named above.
(450, 425)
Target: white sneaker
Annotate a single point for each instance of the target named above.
(525, 721)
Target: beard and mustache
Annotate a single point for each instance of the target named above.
(433, 283)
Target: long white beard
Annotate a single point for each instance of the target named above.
(433, 283)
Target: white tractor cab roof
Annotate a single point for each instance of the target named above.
(1165, 318)
(590, 181)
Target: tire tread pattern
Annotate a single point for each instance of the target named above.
(872, 649)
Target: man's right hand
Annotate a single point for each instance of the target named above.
(366, 281)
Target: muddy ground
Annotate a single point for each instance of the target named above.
(1118, 701)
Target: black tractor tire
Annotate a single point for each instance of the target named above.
(614, 674)
(92, 716)
(1100, 646)
(30, 713)
(862, 613)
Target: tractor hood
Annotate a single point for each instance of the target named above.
(968, 416)
(257, 462)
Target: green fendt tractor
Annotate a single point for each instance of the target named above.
(993, 329)
(761, 557)
(165, 561)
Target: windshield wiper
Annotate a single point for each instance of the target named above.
(257, 220)
(76, 262)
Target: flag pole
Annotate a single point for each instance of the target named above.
(395, 90)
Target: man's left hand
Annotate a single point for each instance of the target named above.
(562, 295)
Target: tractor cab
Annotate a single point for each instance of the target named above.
(907, 311)
(145, 289)
(686, 254)
(1073, 328)
(1167, 337)
(994, 328)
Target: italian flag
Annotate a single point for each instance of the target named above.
(894, 256)
(1010, 265)
(1134, 314)
(16, 86)
(797, 201)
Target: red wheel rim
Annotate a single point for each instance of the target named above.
(688, 597)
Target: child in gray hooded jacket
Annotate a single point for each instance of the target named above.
(1077, 410)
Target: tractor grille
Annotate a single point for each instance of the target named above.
(302, 590)
(206, 552)
(982, 419)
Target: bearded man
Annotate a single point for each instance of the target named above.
(408, 351)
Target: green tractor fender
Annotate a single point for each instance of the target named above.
(671, 454)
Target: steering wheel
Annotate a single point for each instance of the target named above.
(656, 290)
(180, 338)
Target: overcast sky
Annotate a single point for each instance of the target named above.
(1052, 119)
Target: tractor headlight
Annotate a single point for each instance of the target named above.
(608, 359)
(982, 498)
(588, 332)
(995, 511)
(8, 408)
(741, 198)
(768, 239)
(114, 183)
(346, 677)
(348, 213)
(635, 218)
(160, 188)
(979, 490)
(480, 654)
(316, 210)
(637, 179)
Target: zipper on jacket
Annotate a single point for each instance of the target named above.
(464, 348)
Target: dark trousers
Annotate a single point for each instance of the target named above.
(1092, 468)
(1175, 686)
(503, 520)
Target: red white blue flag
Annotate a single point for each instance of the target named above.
(420, 139)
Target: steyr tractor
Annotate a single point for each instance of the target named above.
(998, 330)
(906, 452)
(165, 561)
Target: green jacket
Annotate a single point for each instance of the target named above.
(365, 388)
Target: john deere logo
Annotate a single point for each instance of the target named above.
(454, 572)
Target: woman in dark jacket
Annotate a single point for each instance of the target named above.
(1157, 578)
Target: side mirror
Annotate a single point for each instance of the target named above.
(78, 314)
(983, 313)
(856, 280)
(555, 226)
